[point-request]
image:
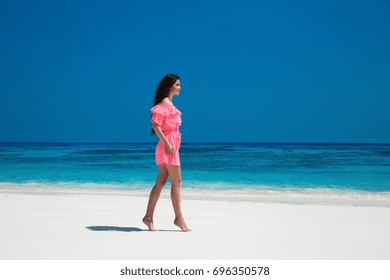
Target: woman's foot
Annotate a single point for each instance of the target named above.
(149, 223)
(181, 224)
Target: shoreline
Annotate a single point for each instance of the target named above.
(299, 196)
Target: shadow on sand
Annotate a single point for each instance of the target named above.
(113, 228)
(124, 229)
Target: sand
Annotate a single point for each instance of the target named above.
(72, 225)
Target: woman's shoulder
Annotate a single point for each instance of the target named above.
(161, 109)
(165, 110)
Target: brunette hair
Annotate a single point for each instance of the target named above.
(163, 90)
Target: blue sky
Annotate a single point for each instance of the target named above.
(252, 71)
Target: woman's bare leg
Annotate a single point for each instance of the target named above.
(154, 195)
(175, 175)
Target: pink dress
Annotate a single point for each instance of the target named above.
(169, 120)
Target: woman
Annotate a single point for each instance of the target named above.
(166, 119)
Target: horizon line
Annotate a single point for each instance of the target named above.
(154, 142)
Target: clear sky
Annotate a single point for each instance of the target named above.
(252, 71)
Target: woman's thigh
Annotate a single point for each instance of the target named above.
(174, 173)
(162, 175)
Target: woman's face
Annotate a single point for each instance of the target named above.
(175, 89)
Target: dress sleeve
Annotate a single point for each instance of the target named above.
(158, 114)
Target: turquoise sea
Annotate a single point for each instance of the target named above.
(210, 166)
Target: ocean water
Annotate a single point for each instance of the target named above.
(233, 166)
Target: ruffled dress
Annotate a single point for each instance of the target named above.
(169, 120)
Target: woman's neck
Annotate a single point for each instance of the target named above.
(167, 101)
(170, 96)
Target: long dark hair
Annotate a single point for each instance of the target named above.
(163, 90)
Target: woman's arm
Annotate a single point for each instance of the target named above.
(169, 149)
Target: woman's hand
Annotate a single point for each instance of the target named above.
(169, 149)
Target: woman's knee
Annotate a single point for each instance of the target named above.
(161, 183)
(176, 183)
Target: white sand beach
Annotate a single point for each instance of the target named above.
(58, 225)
